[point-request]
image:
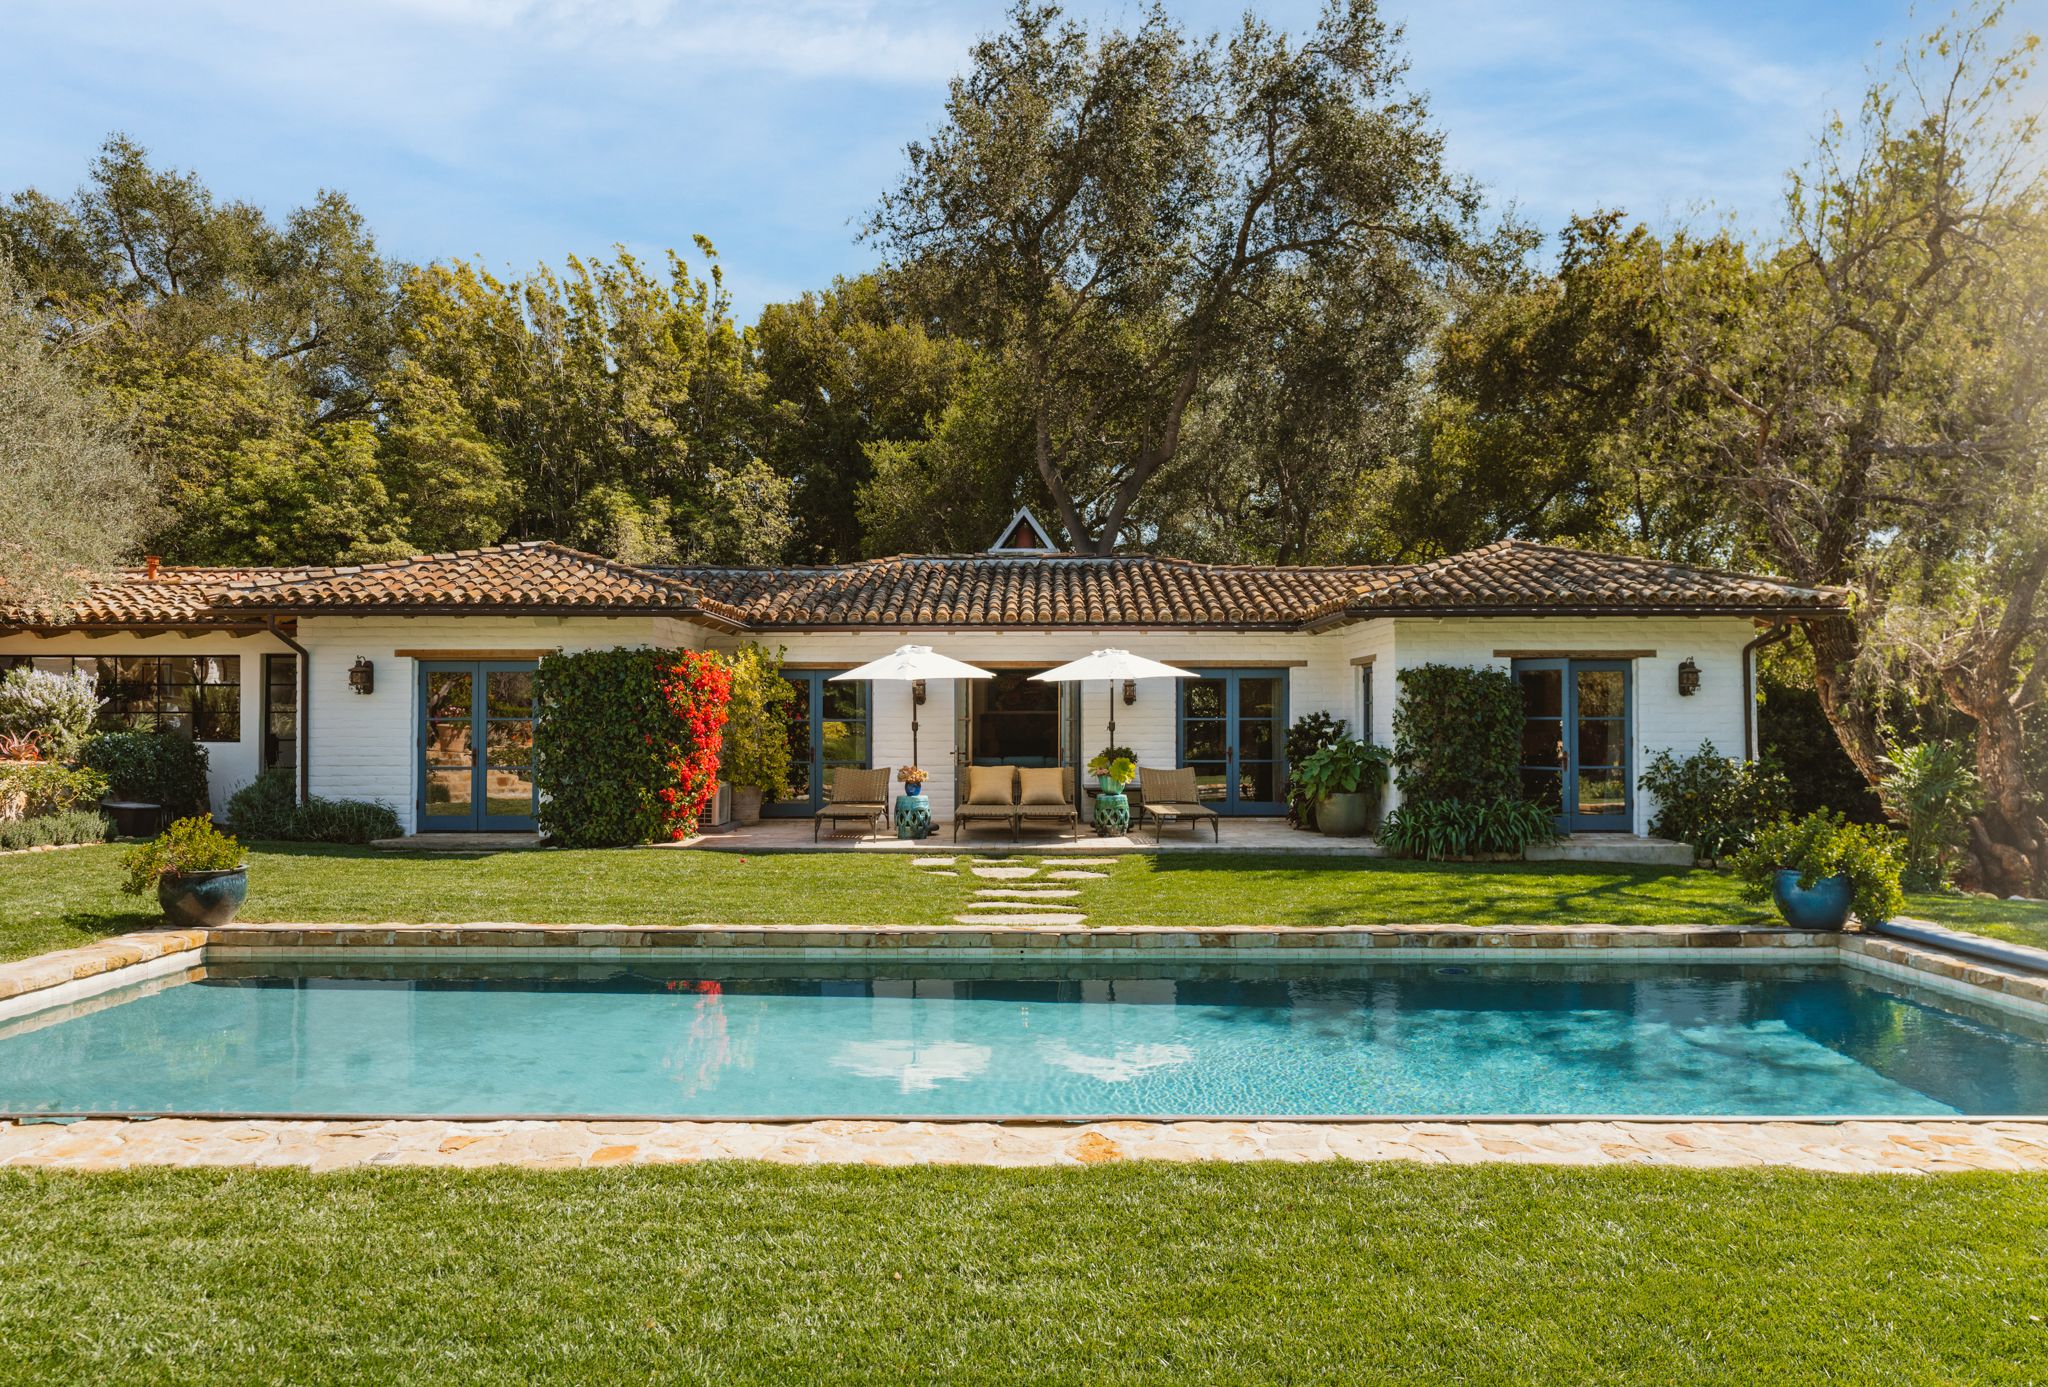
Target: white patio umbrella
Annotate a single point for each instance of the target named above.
(914, 664)
(1115, 666)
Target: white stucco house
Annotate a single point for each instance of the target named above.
(408, 682)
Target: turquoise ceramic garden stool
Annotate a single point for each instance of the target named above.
(913, 816)
(1112, 813)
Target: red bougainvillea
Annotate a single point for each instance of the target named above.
(626, 743)
(696, 686)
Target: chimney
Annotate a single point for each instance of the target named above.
(149, 564)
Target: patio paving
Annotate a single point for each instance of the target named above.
(1239, 835)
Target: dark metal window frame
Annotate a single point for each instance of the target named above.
(209, 719)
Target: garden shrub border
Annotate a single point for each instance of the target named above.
(626, 743)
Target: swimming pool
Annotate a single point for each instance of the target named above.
(762, 1038)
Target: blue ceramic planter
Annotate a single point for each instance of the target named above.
(913, 814)
(1823, 905)
(202, 900)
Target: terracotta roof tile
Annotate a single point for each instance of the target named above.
(131, 597)
(1128, 590)
(533, 575)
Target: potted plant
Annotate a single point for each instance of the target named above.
(913, 779)
(1819, 869)
(754, 755)
(1343, 780)
(1113, 769)
(197, 871)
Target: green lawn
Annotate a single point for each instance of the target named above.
(749, 1273)
(60, 899)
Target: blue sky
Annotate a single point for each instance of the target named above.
(522, 130)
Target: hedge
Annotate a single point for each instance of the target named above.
(153, 767)
(1458, 734)
(626, 743)
(268, 808)
(53, 830)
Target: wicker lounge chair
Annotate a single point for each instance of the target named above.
(1060, 814)
(853, 796)
(989, 797)
(1171, 798)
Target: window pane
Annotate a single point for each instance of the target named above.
(1602, 794)
(508, 792)
(509, 743)
(1542, 692)
(1255, 741)
(510, 693)
(217, 713)
(1600, 743)
(448, 693)
(1202, 741)
(448, 792)
(844, 743)
(1256, 780)
(448, 743)
(1257, 698)
(1543, 742)
(1600, 693)
(1202, 698)
(844, 700)
(1211, 783)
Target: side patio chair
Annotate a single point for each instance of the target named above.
(1171, 798)
(853, 796)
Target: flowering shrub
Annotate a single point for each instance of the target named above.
(626, 743)
(51, 711)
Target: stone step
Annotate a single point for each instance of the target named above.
(1004, 873)
(1078, 876)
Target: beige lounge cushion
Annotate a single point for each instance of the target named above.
(1042, 785)
(991, 784)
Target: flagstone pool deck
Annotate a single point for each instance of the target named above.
(1923, 1146)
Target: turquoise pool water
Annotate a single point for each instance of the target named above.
(763, 1038)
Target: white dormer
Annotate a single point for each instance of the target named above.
(1024, 535)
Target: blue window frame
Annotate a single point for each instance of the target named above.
(830, 725)
(1232, 730)
(1577, 746)
(476, 746)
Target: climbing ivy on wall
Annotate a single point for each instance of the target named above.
(626, 743)
(1457, 734)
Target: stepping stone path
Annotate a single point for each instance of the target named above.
(1089, 861)
(1018, 919)
(933, 861)
(1004, 873)
(1029, 893)
(1078, 876)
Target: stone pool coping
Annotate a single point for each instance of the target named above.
(1844, 1147)
(1906, 1145)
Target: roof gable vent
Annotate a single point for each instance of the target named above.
(1024, 535)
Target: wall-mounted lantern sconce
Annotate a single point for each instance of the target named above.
(1688, 678)
(1130, 692)
(917, 692)
(362, 675)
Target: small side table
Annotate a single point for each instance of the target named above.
(1112, 813)
(913, 816)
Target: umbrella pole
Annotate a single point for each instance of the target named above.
(1112, 712)
(913, 725)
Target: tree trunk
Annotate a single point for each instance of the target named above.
(1834, 644)
(2007, 838)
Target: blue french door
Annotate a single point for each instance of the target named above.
(1575, 741)
(828, 727)
(1233, 733)
(476, 746)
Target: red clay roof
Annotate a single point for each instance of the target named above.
(1025, 590)
(1061, 590)
(174, 597)
(529, 576)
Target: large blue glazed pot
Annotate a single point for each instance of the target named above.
(913, 814)
(203, 900)
(1823, 905)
